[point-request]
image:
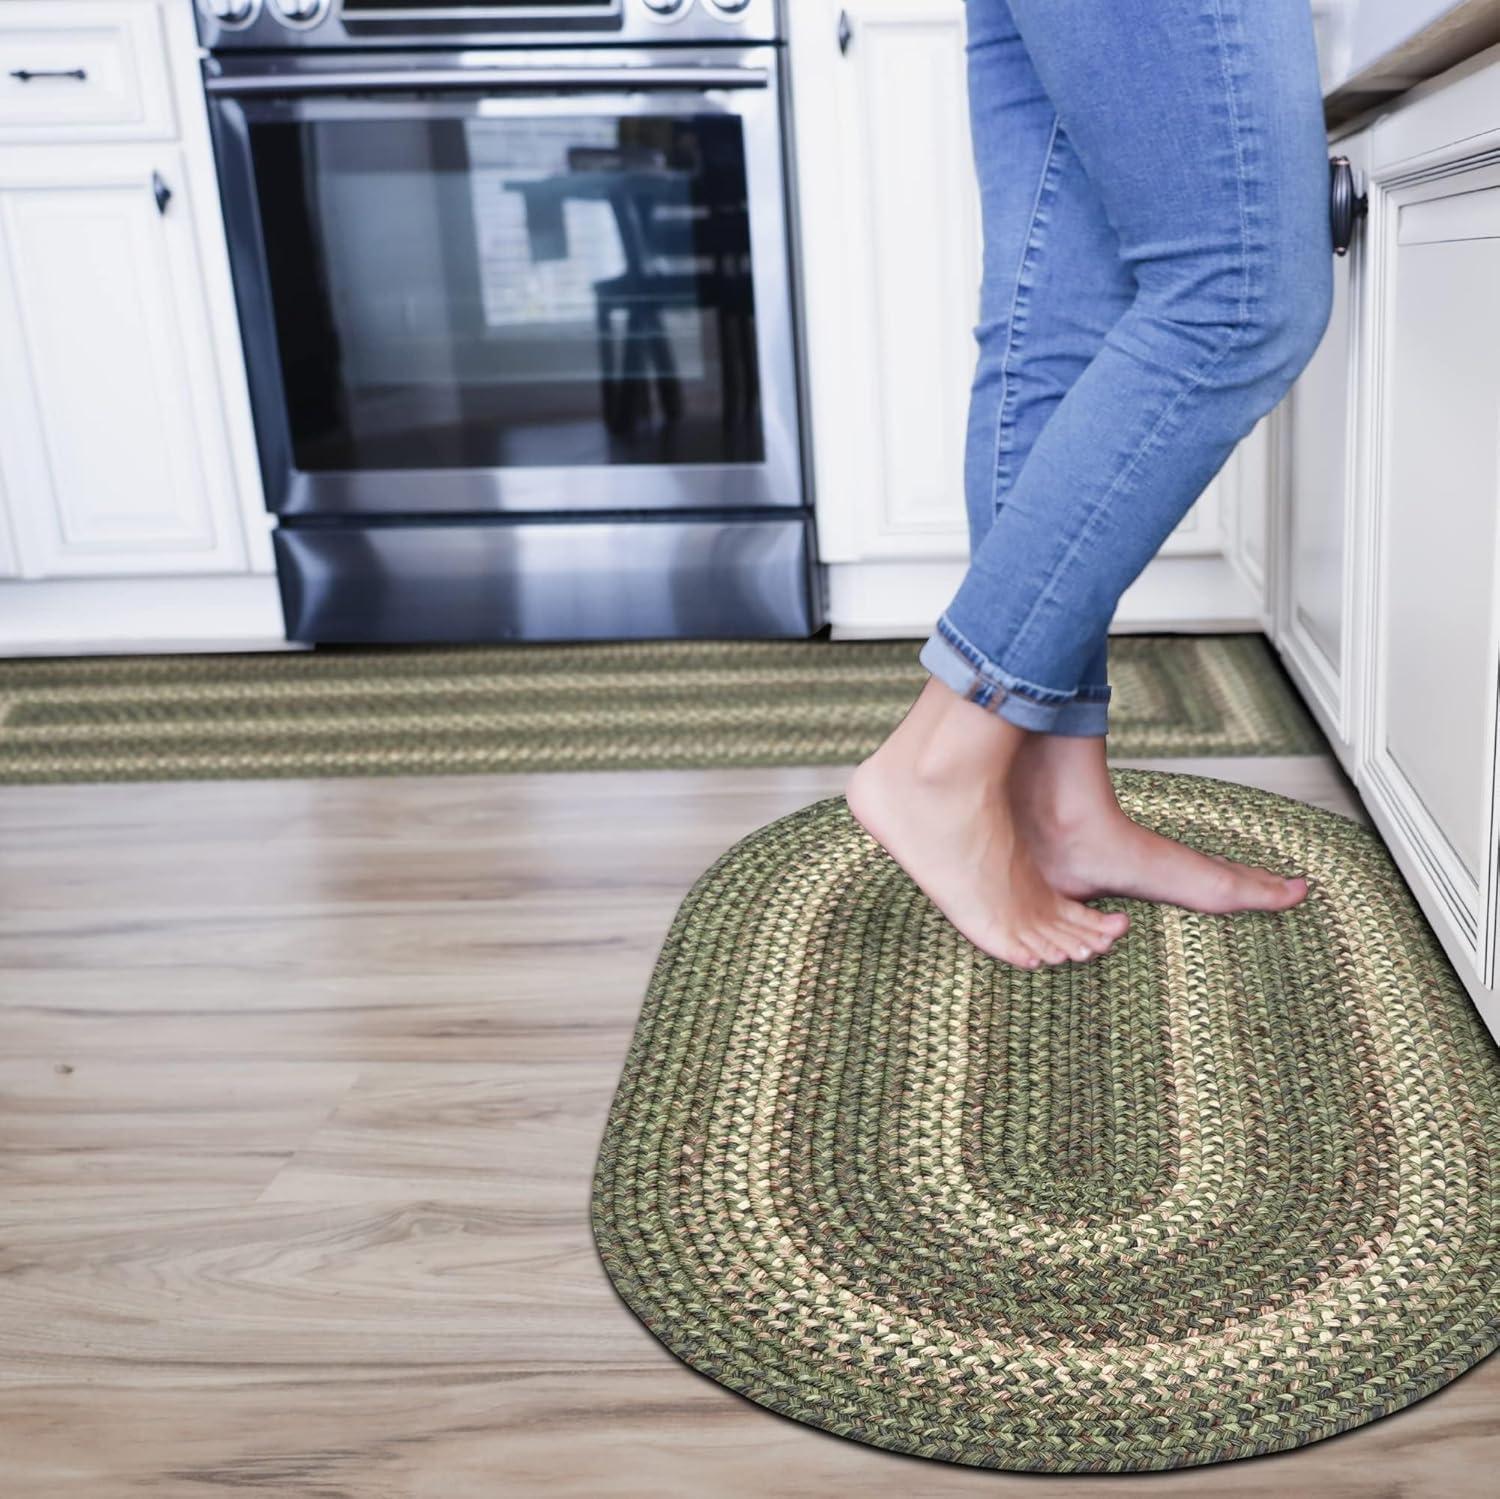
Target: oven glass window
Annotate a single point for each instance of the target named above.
(462, 291)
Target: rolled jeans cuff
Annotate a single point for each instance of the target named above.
(956, 663)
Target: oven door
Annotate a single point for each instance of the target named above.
(513, 282)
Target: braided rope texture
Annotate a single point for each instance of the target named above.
(1228, 1190)
(660, 705)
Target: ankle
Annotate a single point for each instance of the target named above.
(942, 763)
(946, 743)
(1066, 809)
(1064, 783)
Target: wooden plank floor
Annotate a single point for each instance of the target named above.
(300, 1089)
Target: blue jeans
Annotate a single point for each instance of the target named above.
(1157, 271)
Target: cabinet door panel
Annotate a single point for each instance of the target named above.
(1441, 530)
(1316, 435)
(1317, 425)
(890, 258)
(1435, 605)
(105, 361)
(919, 195)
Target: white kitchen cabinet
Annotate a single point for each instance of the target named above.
(1386, 543)
(115, 437)
(1317, 450)
(890, 258)
(890, 264)
(1427, 762)
(126, 447)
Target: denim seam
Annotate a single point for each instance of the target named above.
(993, 676)
(1020, 303)
(1194, 379)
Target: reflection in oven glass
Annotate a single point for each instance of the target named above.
(473, 292)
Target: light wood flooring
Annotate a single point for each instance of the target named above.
(300, 1089)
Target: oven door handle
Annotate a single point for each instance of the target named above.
(358, 81)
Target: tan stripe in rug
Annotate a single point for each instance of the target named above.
(656, 705)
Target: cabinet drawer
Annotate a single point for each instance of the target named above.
(79, 71)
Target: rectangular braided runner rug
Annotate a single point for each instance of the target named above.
(654, 705)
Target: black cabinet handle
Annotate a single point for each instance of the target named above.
(25, 75)
(1345, 207)
(846, 33)
(161, 192)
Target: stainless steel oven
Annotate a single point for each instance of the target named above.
(514, 288)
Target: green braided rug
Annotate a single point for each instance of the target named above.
(591, 707)
(1228, 1190)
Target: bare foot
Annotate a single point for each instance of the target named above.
(1085, 845)
(935, 796)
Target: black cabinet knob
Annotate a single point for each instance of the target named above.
(1345, 206)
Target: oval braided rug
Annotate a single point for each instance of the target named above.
(1230, 1189)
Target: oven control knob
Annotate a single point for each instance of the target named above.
(666, 7)
(231, 13)
(730, 7)
(300, 12)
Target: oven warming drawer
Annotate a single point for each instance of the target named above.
(407, 584)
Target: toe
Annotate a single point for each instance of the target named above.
(1009, 948)
(1075, 912)
(1079, 947)
(1105, 926)
(1018, 955)
(1244, 887)
(1046, 946)
(1082, 942)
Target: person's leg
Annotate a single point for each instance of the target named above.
(1064, 802)
(1054, 284)
(936, 794)
(1199, 123)
(1215, 182)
